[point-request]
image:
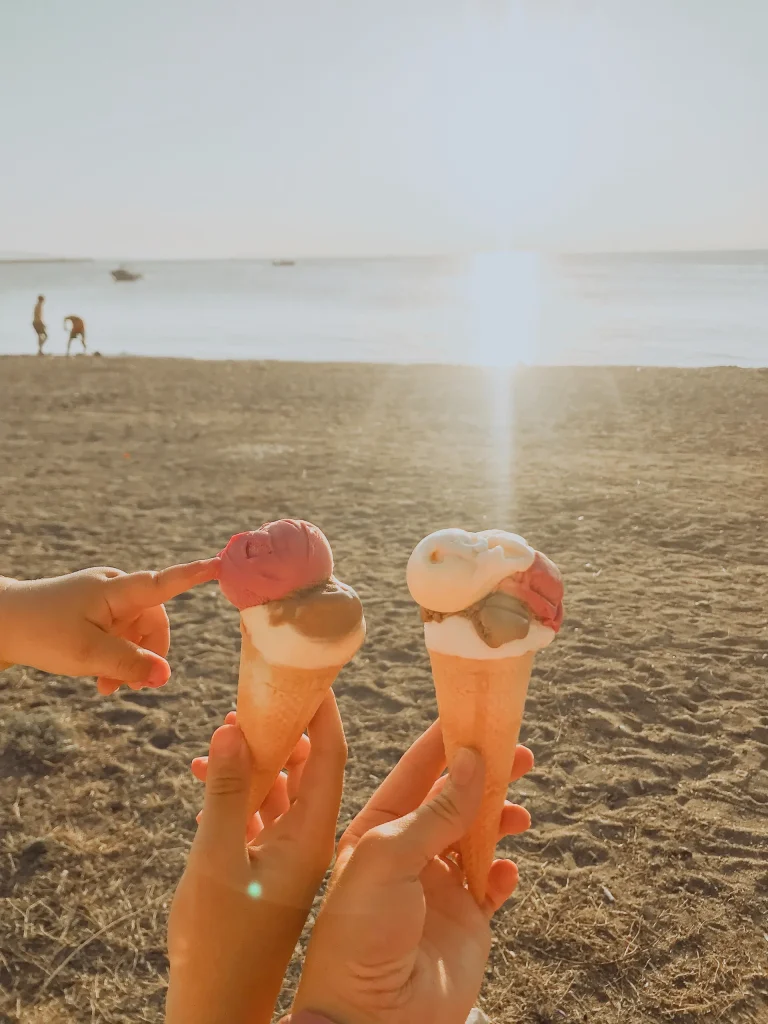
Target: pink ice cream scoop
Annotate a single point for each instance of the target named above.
(541, 588)
(274, 561)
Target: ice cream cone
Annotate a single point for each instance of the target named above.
(481, 706)
(488, 602)
(275, 704)
(299, 626)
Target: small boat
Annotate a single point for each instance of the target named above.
(121, 274)
(283, 263)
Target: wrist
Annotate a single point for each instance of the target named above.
(6, 583)
(325, 1011)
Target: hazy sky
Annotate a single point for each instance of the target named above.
(188, 128)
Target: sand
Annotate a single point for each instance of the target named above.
(644, 880)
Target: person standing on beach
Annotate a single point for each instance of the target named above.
(39, 326)
(76, 330)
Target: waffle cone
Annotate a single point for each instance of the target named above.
(481, 706)
(275, 704)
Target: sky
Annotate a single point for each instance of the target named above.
(184, 128)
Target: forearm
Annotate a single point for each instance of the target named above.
(284, 935)
(208, 987)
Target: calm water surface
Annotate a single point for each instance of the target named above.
(669, 311)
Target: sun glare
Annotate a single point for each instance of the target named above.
(498, 396)
(503, 308)
(504, 311)
(503, 314)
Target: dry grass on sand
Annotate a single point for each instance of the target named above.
(644, 881)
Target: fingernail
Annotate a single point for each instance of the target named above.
(159, 674)
(463, 766)
(225, 742)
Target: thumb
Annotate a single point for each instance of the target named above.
(226, 807)
(115, 658)
(409, 843)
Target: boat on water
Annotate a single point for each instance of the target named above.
(283, 263)
(121, 274)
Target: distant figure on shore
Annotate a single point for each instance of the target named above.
(76, 330)
(39, 326)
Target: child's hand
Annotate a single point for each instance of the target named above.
(399, 939)
(99, 622)
(249, 885)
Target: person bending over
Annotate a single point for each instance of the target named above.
(76, 331)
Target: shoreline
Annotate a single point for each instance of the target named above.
(458, 367)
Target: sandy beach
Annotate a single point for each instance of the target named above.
(644, 881)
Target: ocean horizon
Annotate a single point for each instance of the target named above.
(654, 309)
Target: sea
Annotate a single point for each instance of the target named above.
(702, 309)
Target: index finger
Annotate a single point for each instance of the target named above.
(318, 796)
(405, 788)
(146, 589)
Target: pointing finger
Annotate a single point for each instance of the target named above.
(145, 589)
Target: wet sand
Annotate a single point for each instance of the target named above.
(644, 882)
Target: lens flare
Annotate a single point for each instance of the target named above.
(503, 307)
